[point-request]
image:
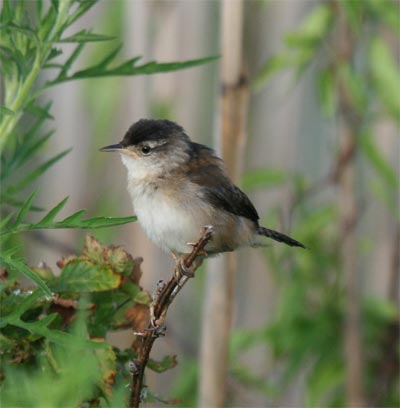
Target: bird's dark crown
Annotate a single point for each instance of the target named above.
(152, 130)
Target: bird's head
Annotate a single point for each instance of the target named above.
(152, 148)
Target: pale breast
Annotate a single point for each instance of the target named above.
(167, 217)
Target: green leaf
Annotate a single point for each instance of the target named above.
(24, 209)
(10, 200)
(49, 217)
(72, 219)
(20, 267)
(354, 11)
(327, 92)
(24, 305)
(384, 169)
(143, 298)
(38, 171)
(65, 68)
(27, 149)
(39, 111)
(86, 36)
(355, 85)
(264, 178)
(6, 220)
(27, 31)
(5, 111)
(97, 222)
(384, 11)
(386, 76)
(130, 68)
(313, 29)
(84, 276)
(271, 67)
(165, 364)
(84, 6)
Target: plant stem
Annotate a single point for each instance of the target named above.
(163, 298)
(350, 126)
(220, 279)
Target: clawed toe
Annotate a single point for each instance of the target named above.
(200, 252)
(185, 270)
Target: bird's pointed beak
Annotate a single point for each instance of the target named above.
(112, 148)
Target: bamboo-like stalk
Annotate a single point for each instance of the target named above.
(350, 123)
(219, 290)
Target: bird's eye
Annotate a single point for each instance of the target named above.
(145, 149)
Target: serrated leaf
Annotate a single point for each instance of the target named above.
(93, 249)
(84, 276)
(108, 367)
(119, 259)
(64, 70)
(27, 31)
(74, 222)
(85, 36)
(24, 209)
(84, 6)
(70, 220)
(49, 217)
(38, 171)
(97, 222)
(39, 111)
(30, 149)
(40, 327)
(54, 52)
(20, 267)
(7, 199)
(130, 68)
(5, 220)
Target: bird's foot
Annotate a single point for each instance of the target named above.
(194, 245)
(184, 270)
(158, 330)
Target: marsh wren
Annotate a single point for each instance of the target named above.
(178, 186)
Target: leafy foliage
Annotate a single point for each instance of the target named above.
(29, 43)
(95, 293)
(49, 331)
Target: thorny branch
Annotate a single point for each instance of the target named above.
(162, 298)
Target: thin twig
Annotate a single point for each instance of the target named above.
(163, 297)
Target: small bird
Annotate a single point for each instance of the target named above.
(178, 186)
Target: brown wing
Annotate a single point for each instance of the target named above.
(206, 170)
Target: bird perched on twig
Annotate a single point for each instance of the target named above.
(178, 186)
